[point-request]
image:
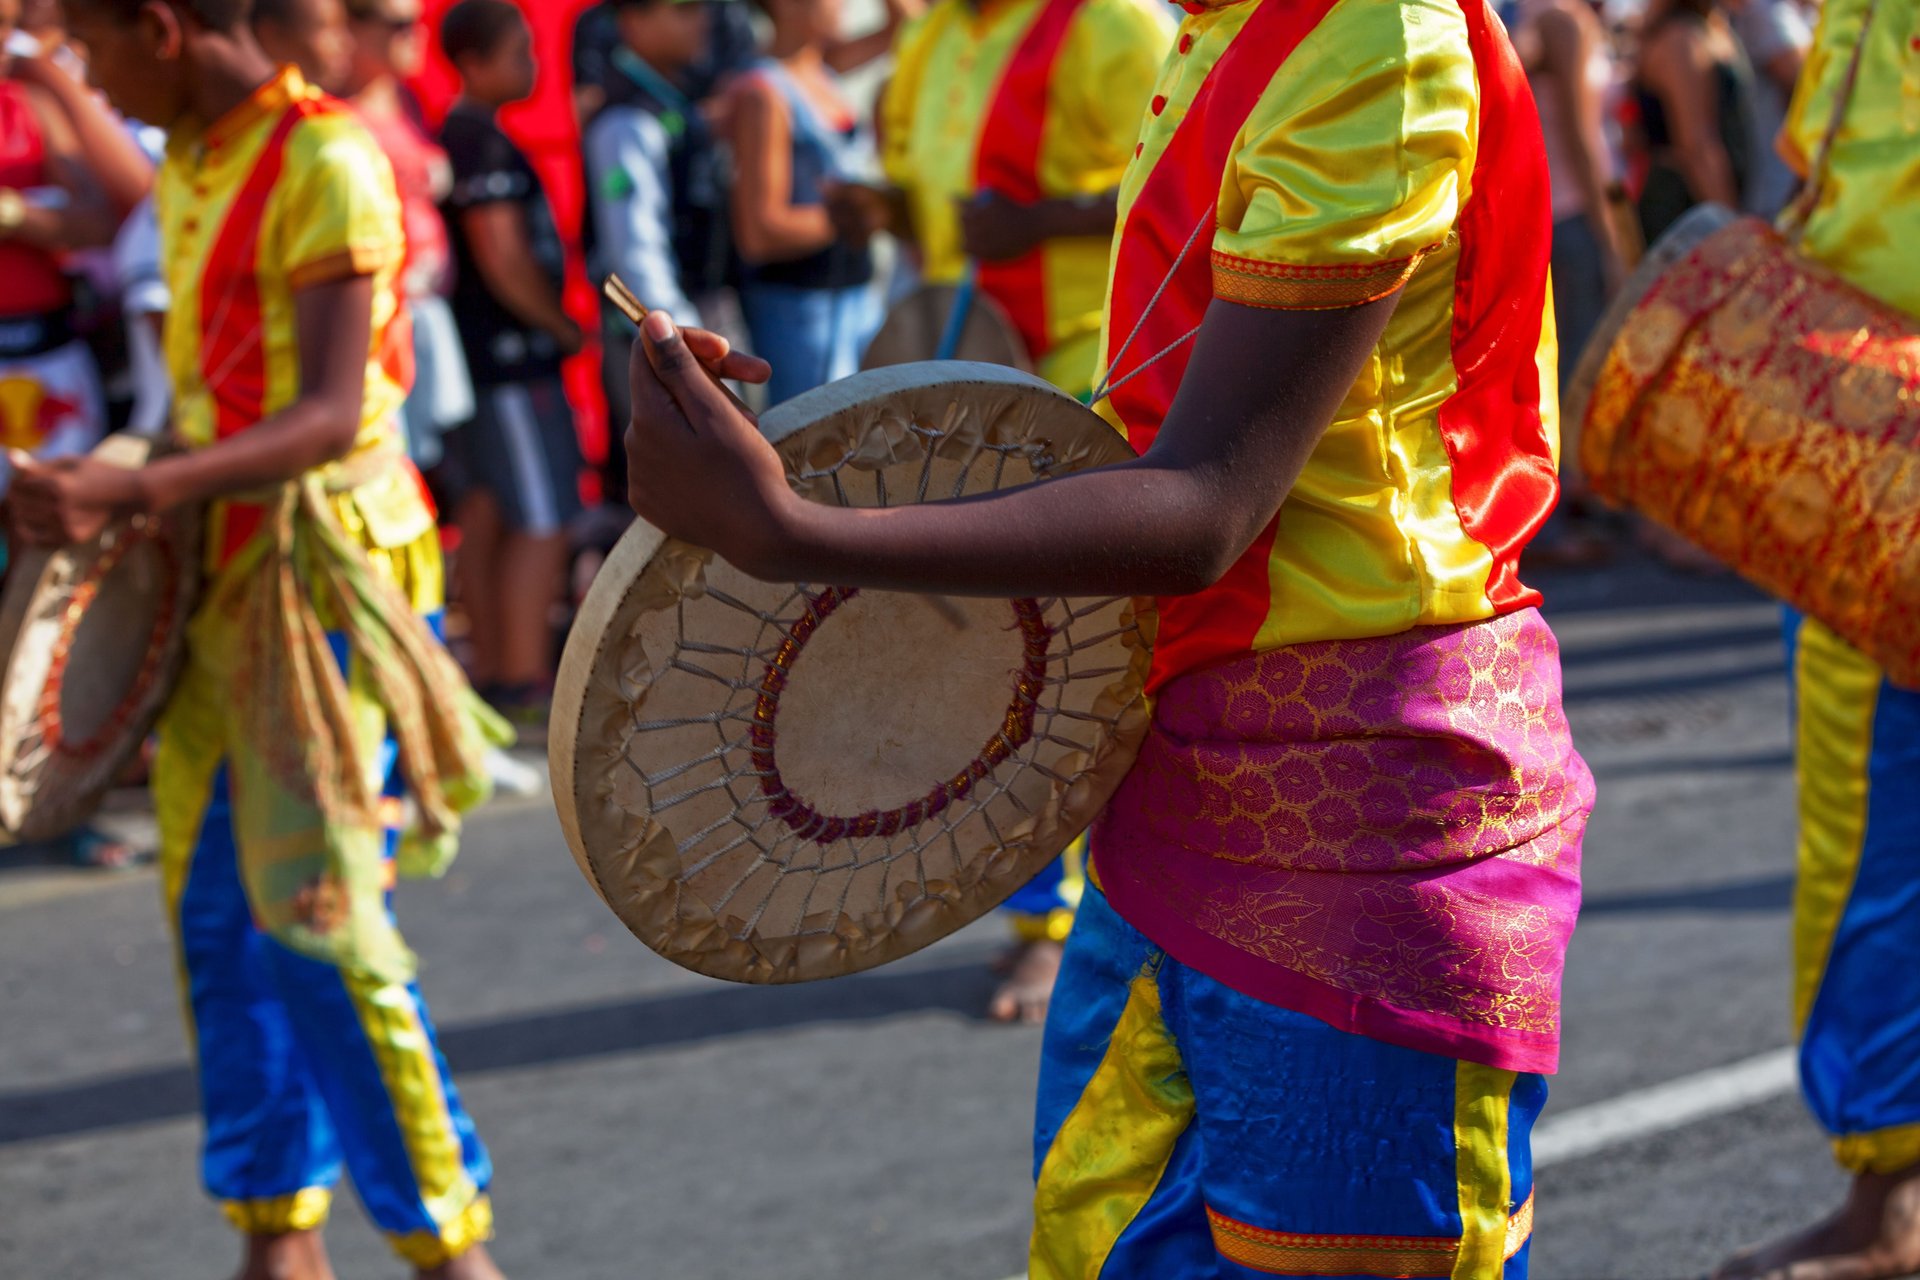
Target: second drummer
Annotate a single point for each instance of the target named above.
(314, 685)
(1005, 131)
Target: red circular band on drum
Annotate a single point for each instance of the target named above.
(83, 596)
(1016, 730)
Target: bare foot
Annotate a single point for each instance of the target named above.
(474, 1264)
(297, 1255)
(1023, 996)
(1875, 1235)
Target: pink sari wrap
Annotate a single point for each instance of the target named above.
(1383, 834)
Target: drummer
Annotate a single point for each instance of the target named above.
(1856, 930)
(1004, 131)
(276, 780)
(1313, 991)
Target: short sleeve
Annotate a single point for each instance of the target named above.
(487, 167)
(1353, 169)
(340, 214)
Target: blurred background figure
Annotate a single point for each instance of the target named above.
(51, 204)
(1775, 36)
(656, 186)
(1569, 63)
(808, 292)
(1695, 98)
(516, 465)
(729, 47)
(310, 34)
(388, 42)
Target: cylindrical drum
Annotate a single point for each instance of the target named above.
(1768, 411)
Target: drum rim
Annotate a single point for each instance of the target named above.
(35, 572)
(594, 632)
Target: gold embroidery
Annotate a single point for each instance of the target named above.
(1307, 288)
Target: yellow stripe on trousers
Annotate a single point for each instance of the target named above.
(1836, 690)
(1480, 1098)
(410, 1071)
(1093, 1182)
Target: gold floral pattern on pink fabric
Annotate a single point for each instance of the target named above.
(1395, 820)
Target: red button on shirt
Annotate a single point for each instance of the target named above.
(1186, 43)
(1159, 103)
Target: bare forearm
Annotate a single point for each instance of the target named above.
(784, 233)
(523, 289)
(1709, 173)
(308, 434)
(118, 165)
(1079, 216)
(1131, 529)
(85, 226)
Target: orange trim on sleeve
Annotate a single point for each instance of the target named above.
(1285, 287)
(355, 260)
(1290, 1253)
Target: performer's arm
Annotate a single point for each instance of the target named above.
(503, 253)
(1259, 393)
(1567, 47)
(71, 499)
(85, 221)
(121, 169)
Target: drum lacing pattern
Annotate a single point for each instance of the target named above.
(1015, 731)
(1040, 729)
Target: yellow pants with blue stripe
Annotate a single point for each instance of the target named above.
(1856, 953)
(1187, 1130)
(307, 1069)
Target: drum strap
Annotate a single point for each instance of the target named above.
(1793, 224)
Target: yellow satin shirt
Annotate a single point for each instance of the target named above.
(248, 218)
(1395, 146)
(948, 65)
(1866, 226)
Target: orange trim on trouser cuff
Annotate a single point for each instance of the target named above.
(304, 1210)
(1284, 287)
(1297, 1254)
(426, 1249)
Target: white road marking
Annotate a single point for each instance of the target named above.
(1658, 1108)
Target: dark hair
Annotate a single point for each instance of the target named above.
(475, 28)
(215, 15)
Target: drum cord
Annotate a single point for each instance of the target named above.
(1110, 384)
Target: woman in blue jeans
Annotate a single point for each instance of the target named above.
(809, 296)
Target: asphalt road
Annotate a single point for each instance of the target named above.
(649, 1123)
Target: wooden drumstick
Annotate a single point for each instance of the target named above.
(635, 310)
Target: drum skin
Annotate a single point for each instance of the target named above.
(93, 637)
(1768, 411)
(914, 327)
(777, 782)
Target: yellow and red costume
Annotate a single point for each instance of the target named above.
(1318, 986)
(1033, 99)
(1857, 736)
(314, 693)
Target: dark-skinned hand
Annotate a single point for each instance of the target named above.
(858, 212)
(697, 465)
(67, 501)
(994, 228)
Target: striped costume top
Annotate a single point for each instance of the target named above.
(1034, 99)
(285, 192)
(1320, 154)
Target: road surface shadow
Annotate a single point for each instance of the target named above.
(961, 986)
(1763, 894)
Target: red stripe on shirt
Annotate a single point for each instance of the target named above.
(1182, 194)
(1008, 162)
(1504, 480)
(233, 350)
